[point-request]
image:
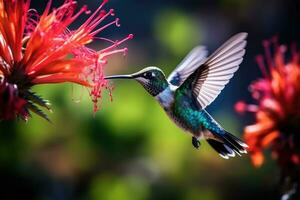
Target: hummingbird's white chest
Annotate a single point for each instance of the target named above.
(166, 97)
(166, 100)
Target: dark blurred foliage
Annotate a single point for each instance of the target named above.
(130, 149)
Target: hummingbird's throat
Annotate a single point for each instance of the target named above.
(153, 88)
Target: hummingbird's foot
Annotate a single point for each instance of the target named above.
(196, 143)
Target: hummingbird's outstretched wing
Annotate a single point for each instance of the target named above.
(212, 76)
(188, 65)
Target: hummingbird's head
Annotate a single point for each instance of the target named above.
(151, 78)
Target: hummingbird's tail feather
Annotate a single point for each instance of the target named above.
(236, 142)
(227, 145)
(223, 150)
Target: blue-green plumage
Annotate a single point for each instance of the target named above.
(192, 86)
(185, 112)
(187, 109)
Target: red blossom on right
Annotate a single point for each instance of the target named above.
(277, 108)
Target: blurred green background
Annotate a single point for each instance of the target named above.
(130, 150)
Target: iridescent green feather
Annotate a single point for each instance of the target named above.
(191, 114)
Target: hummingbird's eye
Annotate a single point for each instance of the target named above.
(153, 74)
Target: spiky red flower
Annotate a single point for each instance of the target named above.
(277, 110)
(41, 49)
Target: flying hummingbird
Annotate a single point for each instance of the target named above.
(192, 86)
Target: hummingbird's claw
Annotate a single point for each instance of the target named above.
(196, 143)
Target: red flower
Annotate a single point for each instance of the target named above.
(277, 110)
(41, 49)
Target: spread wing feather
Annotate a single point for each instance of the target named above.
(211, 77)
(188, 65)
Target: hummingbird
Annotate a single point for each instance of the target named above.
(191, 87)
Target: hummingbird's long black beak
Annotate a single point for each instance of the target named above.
(119, 77)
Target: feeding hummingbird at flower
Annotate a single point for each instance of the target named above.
(191, 87)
